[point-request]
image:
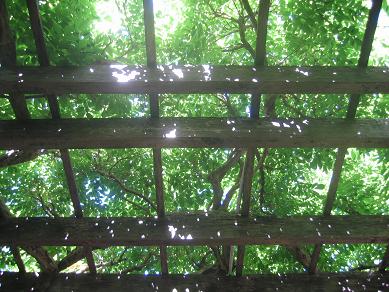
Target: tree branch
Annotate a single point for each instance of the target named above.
(216, 177)
(44, 260)
(112, 177)
(250, 13)
(15, 157)
(301, 256)
(141, 266)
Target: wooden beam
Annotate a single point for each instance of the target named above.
(36, 26)
(17, 100)
(248, 172)
(8, 60)
(7, 43)
(43, 57)
(385, 260)
(368, 37)
(193, 132)
(194, 79)
(19, 106)
(18, 259)
(245, 192)
(260, 47)
(14, 282)
(151, 58)
(366, 47)
(193, 229)
(151, 52)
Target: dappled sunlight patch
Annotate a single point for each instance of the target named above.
(196, 163)
(364, 176)
(116, 182)
(351, 257)
(299, 182)
(30, 185)
(6, 112)
(112, 185)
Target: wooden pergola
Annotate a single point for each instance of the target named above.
(239, 230)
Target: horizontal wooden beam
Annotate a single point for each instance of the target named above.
(194, 79)
(197, 229)
(193, 132)
(14, 282)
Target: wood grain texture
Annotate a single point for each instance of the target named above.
(193, 229)
(193, 132)
(194, 79)
(13, 282)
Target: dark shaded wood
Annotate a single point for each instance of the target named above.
(385, 260)
(159, 189)
(240, 260)
(246, 184)
(8, 60)
(335, 178)
(194, 79)
(36, 26)
(18, 259)
(245, 193)
(71, 182)
(43, 57)
(7, 43)
(13, 282)
(354, 100)
(315, 258)
(17, 101)
(151, 57)
(193, 132)
(255, 101)
(260, 48)
(19, 106)
(259, 62)
(163, 259)
(154, 106)
(90, 260)
(368, 37)
(193, 229)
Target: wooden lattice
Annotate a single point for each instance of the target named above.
(153, 132)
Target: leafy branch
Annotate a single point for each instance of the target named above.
(126, 189)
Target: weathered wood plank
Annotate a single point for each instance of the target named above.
(151, 57)
(14, 282)
(354, 100)
(248, 172)
(193, 132)
(43, 57)
(194, 79)
(193, 229)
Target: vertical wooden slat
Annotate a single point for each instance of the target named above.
(366, 47)
(246, 183)
(385, 260)
(260, 44)
(44, 61)
(17, 100)
(151, 58)
(18, 259)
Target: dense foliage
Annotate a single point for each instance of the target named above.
(120, 182)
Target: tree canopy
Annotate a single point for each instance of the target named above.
(120, 182)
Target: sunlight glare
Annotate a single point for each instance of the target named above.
(110, 17)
